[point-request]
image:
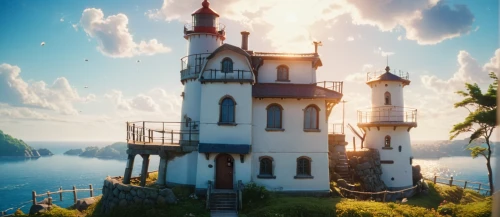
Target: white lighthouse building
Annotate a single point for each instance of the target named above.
(251, 116)
(387, 127)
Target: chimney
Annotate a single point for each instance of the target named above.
(244, 40)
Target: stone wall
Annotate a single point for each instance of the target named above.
(117, 194)
(366, 168)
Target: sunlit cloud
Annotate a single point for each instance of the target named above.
(382, 52)
(350, 38)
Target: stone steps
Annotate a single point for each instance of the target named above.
(223, 201)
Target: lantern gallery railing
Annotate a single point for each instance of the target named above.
(266, 54)
(161, 133)
(336, 86)
(212, 75)
(373, 75)
(387, 114)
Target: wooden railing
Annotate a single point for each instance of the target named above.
(476, 186)
(60, 192)
(387, 114)
(336, 86)
(209, 191)
(239, 191)
(143, 132)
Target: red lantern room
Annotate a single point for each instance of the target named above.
(205, 20)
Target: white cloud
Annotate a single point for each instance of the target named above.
(61, 20)
(9, 112)
(331, 39)
(350, 38)
(113, 36)
(140, 102)
(59, 96)
(469, 71)
(382, 52)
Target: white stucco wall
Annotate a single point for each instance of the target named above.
(240, 62)
(401, 169)
(210, 131)
(395, 88)
(293, 139)
(202, 43)
(285, 168)
(182, 170)
(300, 72)
(242, 171)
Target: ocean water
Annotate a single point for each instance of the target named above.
(19, 177)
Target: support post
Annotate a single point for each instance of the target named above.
(50, 201)
(33, 197)
(144, 171)
(451, 181)
(162, 169)
(128, 169)
(354, 143)
(48, 194)
(385, 195)
(163, 134)
(465, 185)
(172, 136)
(74, 194)
(133, 133)
(435, 177)
(91, 190)
(128, 136)
(144, 132)
(479, 189)
(60, 194)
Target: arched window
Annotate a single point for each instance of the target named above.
(227, 65)
(274, 116)
(387, 141)
(266, 166)
(227, 110)
(282, 72)
(387, 97)
(303, 166)
(311, 117)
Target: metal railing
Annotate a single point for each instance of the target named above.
(373, 75)
(336, 86)
(387, 114)
(239, 189)
(144, 132)
(189, 27)
(238, 75)
(285, 54)
(192, 65)
(336, 128)
(209, 191)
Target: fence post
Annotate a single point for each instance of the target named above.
(465, 185)
(50, 201)
(128, 136)
(133, 133)
(163, 134)
(74, 194)
(172, 136)
(385, 195)
(48, 194)
(33, 197)
(91, 190)
(479, 189)
(3, 213)
(435, 177)
(60, 193)
(451, 181)
(144, 132)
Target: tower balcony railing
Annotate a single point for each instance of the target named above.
(373, 75)
(218, 28)
(192, 65)
(216, 75)
(162, 133)
(332, 85)
(387, 114)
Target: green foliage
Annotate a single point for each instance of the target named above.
(18, 212)
(350, 208)
(10, 146)
(255, 194)
(474, 209)
(287, 206)
(182, 192)
(113, 151)
(430, 200)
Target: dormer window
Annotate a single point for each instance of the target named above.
(282, 73)
(227, 65)
(387, 97)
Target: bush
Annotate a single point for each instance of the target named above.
(253, 193)
(474, 209)
(182, 192)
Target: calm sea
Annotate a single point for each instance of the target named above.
(18, 177)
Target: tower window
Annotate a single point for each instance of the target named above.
(387, 97)
(227, 110)
(227, 65)
(282, 73)
(387, 142)
(274, 116)
(311, 118)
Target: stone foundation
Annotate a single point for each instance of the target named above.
(367, 169)
(117, 194)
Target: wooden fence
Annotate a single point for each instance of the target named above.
(477, 186)
(363, 194)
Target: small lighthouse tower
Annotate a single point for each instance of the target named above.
(387, 126)
(204, 35)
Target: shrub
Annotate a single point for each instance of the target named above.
(253, 193)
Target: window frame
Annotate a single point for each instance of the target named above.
(270, 175)
(280, 109)
(221, 101)
(316, 128)
(226, 59)
(287, 77)
(387, 98)
(303, 174)
(387, 142)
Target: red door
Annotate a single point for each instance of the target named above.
(224, 171)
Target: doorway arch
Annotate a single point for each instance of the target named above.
(224, 171)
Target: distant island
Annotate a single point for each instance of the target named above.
(12, 147)
(117, 150)
(443, 148)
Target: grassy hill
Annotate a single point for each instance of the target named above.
(10, 146)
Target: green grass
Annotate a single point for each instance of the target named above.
(429, 201)
(292, 206)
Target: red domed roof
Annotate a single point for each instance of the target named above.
(205, 9)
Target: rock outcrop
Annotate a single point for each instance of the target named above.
(366, 165)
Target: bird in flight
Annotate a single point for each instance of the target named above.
(42, 44)
(86, 87)
(86, 60)
(138, 61)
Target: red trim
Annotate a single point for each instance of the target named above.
(205, 29)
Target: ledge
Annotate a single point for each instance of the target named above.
(266, 177)
(275, 129)
(312, 130)
(282, 80)
(303, 177)
(387, 148)
(226, 124)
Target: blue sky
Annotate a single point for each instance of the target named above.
(441, 43)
